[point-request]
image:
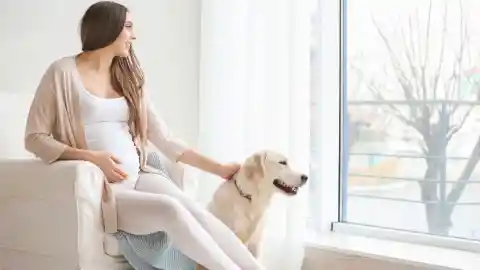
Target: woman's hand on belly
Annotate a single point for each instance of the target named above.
(108, 163)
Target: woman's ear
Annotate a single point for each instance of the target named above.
(255, 166)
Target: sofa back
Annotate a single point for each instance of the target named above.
(13, 114)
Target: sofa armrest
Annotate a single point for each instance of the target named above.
(32, 178)
(51, 210)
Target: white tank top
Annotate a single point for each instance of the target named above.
(106, 129)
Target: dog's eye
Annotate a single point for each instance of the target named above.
(283, 162)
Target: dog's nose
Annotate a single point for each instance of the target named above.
(304, 178)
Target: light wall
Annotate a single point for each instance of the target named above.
(35, 33)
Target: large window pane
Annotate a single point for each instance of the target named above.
(412, 120)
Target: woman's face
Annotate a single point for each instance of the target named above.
(122, 44)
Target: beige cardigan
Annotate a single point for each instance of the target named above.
(54, 123)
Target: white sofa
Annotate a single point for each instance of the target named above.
(50, 214)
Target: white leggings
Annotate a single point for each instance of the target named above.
(157, 204)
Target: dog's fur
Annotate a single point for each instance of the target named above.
(259, 178)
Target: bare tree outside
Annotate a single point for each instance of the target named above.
(427, 86)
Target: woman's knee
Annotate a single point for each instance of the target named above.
(173, 210)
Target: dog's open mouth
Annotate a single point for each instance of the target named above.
(290, 190)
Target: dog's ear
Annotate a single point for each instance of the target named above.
(255, 166)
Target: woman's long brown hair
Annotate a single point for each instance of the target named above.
(127, 77)
(100, 26)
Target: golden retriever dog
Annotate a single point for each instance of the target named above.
(242, 202)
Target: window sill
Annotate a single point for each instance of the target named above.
(391, 252)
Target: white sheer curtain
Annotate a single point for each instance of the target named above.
(255, 94)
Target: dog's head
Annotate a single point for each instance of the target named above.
(270, 172)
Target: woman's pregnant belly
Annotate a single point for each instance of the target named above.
(114, 137)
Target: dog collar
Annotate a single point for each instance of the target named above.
(243, 194)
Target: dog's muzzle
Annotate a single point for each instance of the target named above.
(290, 190)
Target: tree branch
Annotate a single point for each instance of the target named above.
(462, 182)
(436, 76)
(423, 66)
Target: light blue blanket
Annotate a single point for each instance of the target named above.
(153, 251)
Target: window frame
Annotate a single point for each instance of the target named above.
(327, 117)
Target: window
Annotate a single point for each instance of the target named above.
(411, 121)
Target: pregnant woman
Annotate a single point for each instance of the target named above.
(92, 106)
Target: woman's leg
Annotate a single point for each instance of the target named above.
(143, 213)
(224, 237)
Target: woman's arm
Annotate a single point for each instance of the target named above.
(177, 151)
(195, 159)
(159, 135)
(41, 119)
(41, 122)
